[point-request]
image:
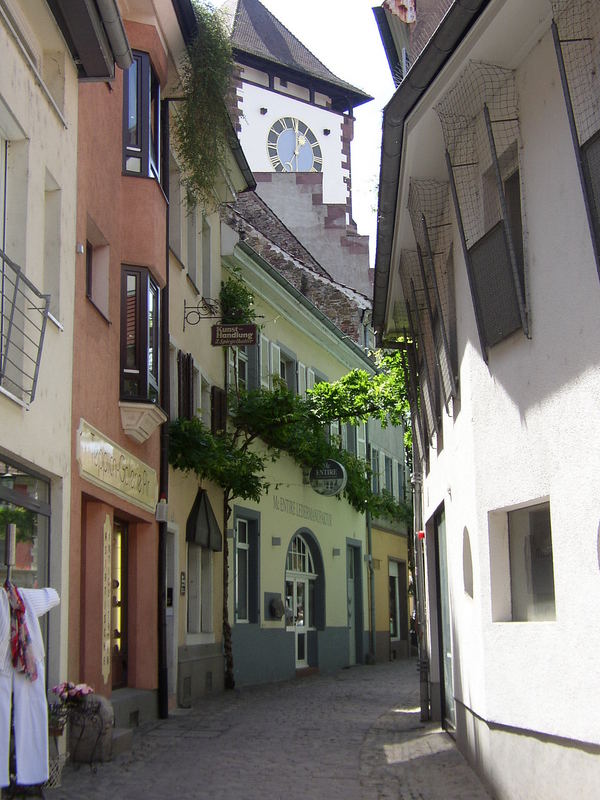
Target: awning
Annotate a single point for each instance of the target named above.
(202, 527)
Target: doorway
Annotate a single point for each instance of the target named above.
(300, 581)
(445, 622)
(351, 594)
(118, 643)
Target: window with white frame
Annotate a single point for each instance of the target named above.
(199, 595)
(241, 571)
(246, 578)
(388, 474)
(376, 475)
(206, 259)
(288, 370)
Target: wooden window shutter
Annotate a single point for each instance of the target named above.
(218, 416)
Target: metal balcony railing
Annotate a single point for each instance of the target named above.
(23, 315)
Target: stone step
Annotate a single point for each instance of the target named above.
(122, 739)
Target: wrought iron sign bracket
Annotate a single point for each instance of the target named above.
(206, 308)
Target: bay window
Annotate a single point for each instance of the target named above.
(141, 119)
(140, 307)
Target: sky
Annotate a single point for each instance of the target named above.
(344, 36)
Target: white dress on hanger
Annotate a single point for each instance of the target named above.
(29, 697)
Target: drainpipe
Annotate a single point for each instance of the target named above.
(371, 654)
(417, 484)
(163, 490)
(113, 25)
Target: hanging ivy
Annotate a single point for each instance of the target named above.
(201, 122)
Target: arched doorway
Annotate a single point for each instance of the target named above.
(303, 594)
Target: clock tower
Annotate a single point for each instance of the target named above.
(294, 119)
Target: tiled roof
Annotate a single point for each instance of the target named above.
(263, 231)
(255, 31)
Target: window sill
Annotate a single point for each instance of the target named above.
(199, 638)
(55, 322)
(98, 310)
(140, 420)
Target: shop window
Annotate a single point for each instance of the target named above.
(531, 563)
(246, 566)
(141, 119)
(199, 616)
(25, 501)
(139, 335)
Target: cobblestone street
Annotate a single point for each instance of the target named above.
(354, 734)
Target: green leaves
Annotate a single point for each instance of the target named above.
(201, 122)
(285, 423)
(360, 395)
(236, 300)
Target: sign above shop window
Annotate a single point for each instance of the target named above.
(330, 479)
(107, 465)
(233, 335)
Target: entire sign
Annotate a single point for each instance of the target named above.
(233, 335)
(105, 464)
(330, 479)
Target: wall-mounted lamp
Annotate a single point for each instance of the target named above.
(263, 111)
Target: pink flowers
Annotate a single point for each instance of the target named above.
(71, 692)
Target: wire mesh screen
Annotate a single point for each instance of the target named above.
(461, 114)
(23, 314)
(429, 209)
(429, 15)
(578, 25)
(414, 295)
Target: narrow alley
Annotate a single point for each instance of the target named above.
(353, 734)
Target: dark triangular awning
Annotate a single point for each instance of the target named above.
(202, 527)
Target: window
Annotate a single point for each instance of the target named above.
(97, 262)
(531, 563)
(389, 481)
(246, 565)
(401, 483)
(186, 406)
(175, 206)
(139, 335)
(206, 258)
(243, 367)
(287, 370)
(52, 201)
(375, 468)
(192, 244)
(141, 119)
(241, 570)
(199, 617)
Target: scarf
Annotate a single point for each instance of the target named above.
(20, 640)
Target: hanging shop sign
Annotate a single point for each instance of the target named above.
(330, 479)
(233, 335)
(105, 464)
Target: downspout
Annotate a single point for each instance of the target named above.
(371, 654)
(417, 483)
(113, 25)
(165, 394)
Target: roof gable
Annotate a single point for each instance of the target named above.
(256, 32)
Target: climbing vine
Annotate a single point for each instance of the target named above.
(201, 122)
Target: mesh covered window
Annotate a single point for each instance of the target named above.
(479, 118)
(428, 205)
(576, 30)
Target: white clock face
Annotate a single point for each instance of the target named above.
(293, 147)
